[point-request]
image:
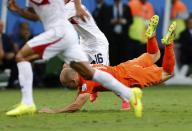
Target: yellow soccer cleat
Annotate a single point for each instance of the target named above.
(136, 102)
(152, 26)
(22, 109)
(169, 37)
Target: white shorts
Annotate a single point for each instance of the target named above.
(97, 55)
(58, 41)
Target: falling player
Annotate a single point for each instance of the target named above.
(140, 72)
(92, 40)
(59, 38)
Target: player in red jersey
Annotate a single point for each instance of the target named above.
(140, 72)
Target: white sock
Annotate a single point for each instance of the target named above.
(26, 82)
(109, 82)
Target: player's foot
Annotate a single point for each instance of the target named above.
(93, 97)
(125, 105)
(136, 102)
(152, 26)
(169, 37)
(22, 109)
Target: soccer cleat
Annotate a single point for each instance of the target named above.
(136, 102)
(125, 105)
(93, 97)
(152, 26)
(22, 109)
(169, 37)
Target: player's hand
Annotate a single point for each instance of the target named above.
(12, 5)
(47, 110)
(80, 12)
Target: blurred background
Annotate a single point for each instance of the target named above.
(127, 43)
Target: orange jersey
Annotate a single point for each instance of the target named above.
(140, 72)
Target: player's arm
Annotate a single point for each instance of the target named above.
(73, 107)
(80, 11)
(27, 13)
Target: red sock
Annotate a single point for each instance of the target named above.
(169, 59)
(152, 45)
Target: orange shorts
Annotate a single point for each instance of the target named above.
(142, 70)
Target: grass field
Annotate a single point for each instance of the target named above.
(165, 109)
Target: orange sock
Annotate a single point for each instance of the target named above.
(152, 45)
(169, 59)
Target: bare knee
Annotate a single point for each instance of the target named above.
(83, 68)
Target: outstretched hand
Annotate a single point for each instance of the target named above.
(47, 110)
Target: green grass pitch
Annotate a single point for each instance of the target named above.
(165, 109)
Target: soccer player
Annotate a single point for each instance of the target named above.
(140, 72)
(59, 38)
(92, 40)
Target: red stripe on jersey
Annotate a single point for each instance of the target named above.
(41, 48)
(43, 2)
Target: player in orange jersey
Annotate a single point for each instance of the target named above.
(139, 72)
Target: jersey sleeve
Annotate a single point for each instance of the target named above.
(88, 87)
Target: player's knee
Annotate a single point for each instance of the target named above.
(83, 69)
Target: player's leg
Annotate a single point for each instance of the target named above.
(25, 80)
(34, 49)
(169, 56)
(153, 53)
(152, 45)
(100, 56)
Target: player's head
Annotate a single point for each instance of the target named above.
(69, 78)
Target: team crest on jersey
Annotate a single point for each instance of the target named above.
(84, 87)
(40, 2)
